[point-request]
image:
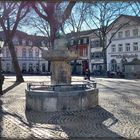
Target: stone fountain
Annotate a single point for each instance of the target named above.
(61, 94)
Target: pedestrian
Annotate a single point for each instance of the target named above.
(87, 74)
(1, 81)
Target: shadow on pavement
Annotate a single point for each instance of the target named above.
(11, 87)
(89, 123)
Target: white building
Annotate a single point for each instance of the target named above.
(28, 53)
(96, 57)
(125, 45)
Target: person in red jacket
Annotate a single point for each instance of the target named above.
(87, 74)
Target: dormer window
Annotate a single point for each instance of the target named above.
(42, 43)
(23, 42)
(72, 42)
(15, 41)
(30, 43)
(127, 33)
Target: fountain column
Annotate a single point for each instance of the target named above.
(60, 58)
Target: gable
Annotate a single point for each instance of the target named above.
(124, 20)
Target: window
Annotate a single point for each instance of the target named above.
(30, 43)
(30, 53)
(42, 43)
(23, 52)
(113, 65)
(127, 47)
(120, 34)
(127, 33)
(81, 41)
(120, 48)
(37, 53)
(72, 42)
(24, 67)
(95, 43)
(2, 51)
(85, 40)
(84, 52)
(15, 41)
(23, 42)
(135, 32)
(135, 46)
(7, 53)
(113, 48)
(96, 55)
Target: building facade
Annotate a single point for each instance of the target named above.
(124, 47)
(28, 53)
(96, 57)
(80, 43)
(125, 44)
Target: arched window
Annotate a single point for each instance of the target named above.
(30, 68)
(23, 67)
(113, 65)
(123, 62)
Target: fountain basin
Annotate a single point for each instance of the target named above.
(52, 98)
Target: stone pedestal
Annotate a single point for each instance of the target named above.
(60, 72)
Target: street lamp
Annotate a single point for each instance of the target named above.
(1, 45)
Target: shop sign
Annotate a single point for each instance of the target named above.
(124, 55)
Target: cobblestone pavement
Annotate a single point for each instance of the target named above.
(118, 113)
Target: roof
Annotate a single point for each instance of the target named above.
(131, 18)
(81, 33)
(22, 35)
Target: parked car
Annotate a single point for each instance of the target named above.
(114, 74)
(111, 74)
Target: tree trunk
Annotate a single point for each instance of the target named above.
(19, 77)
(53, 31)
(105, 61)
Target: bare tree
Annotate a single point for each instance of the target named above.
(11, 15)
(101, 15)
(75, 24)
(134, 7)
(52, 14)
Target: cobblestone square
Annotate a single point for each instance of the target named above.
(117, 116)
